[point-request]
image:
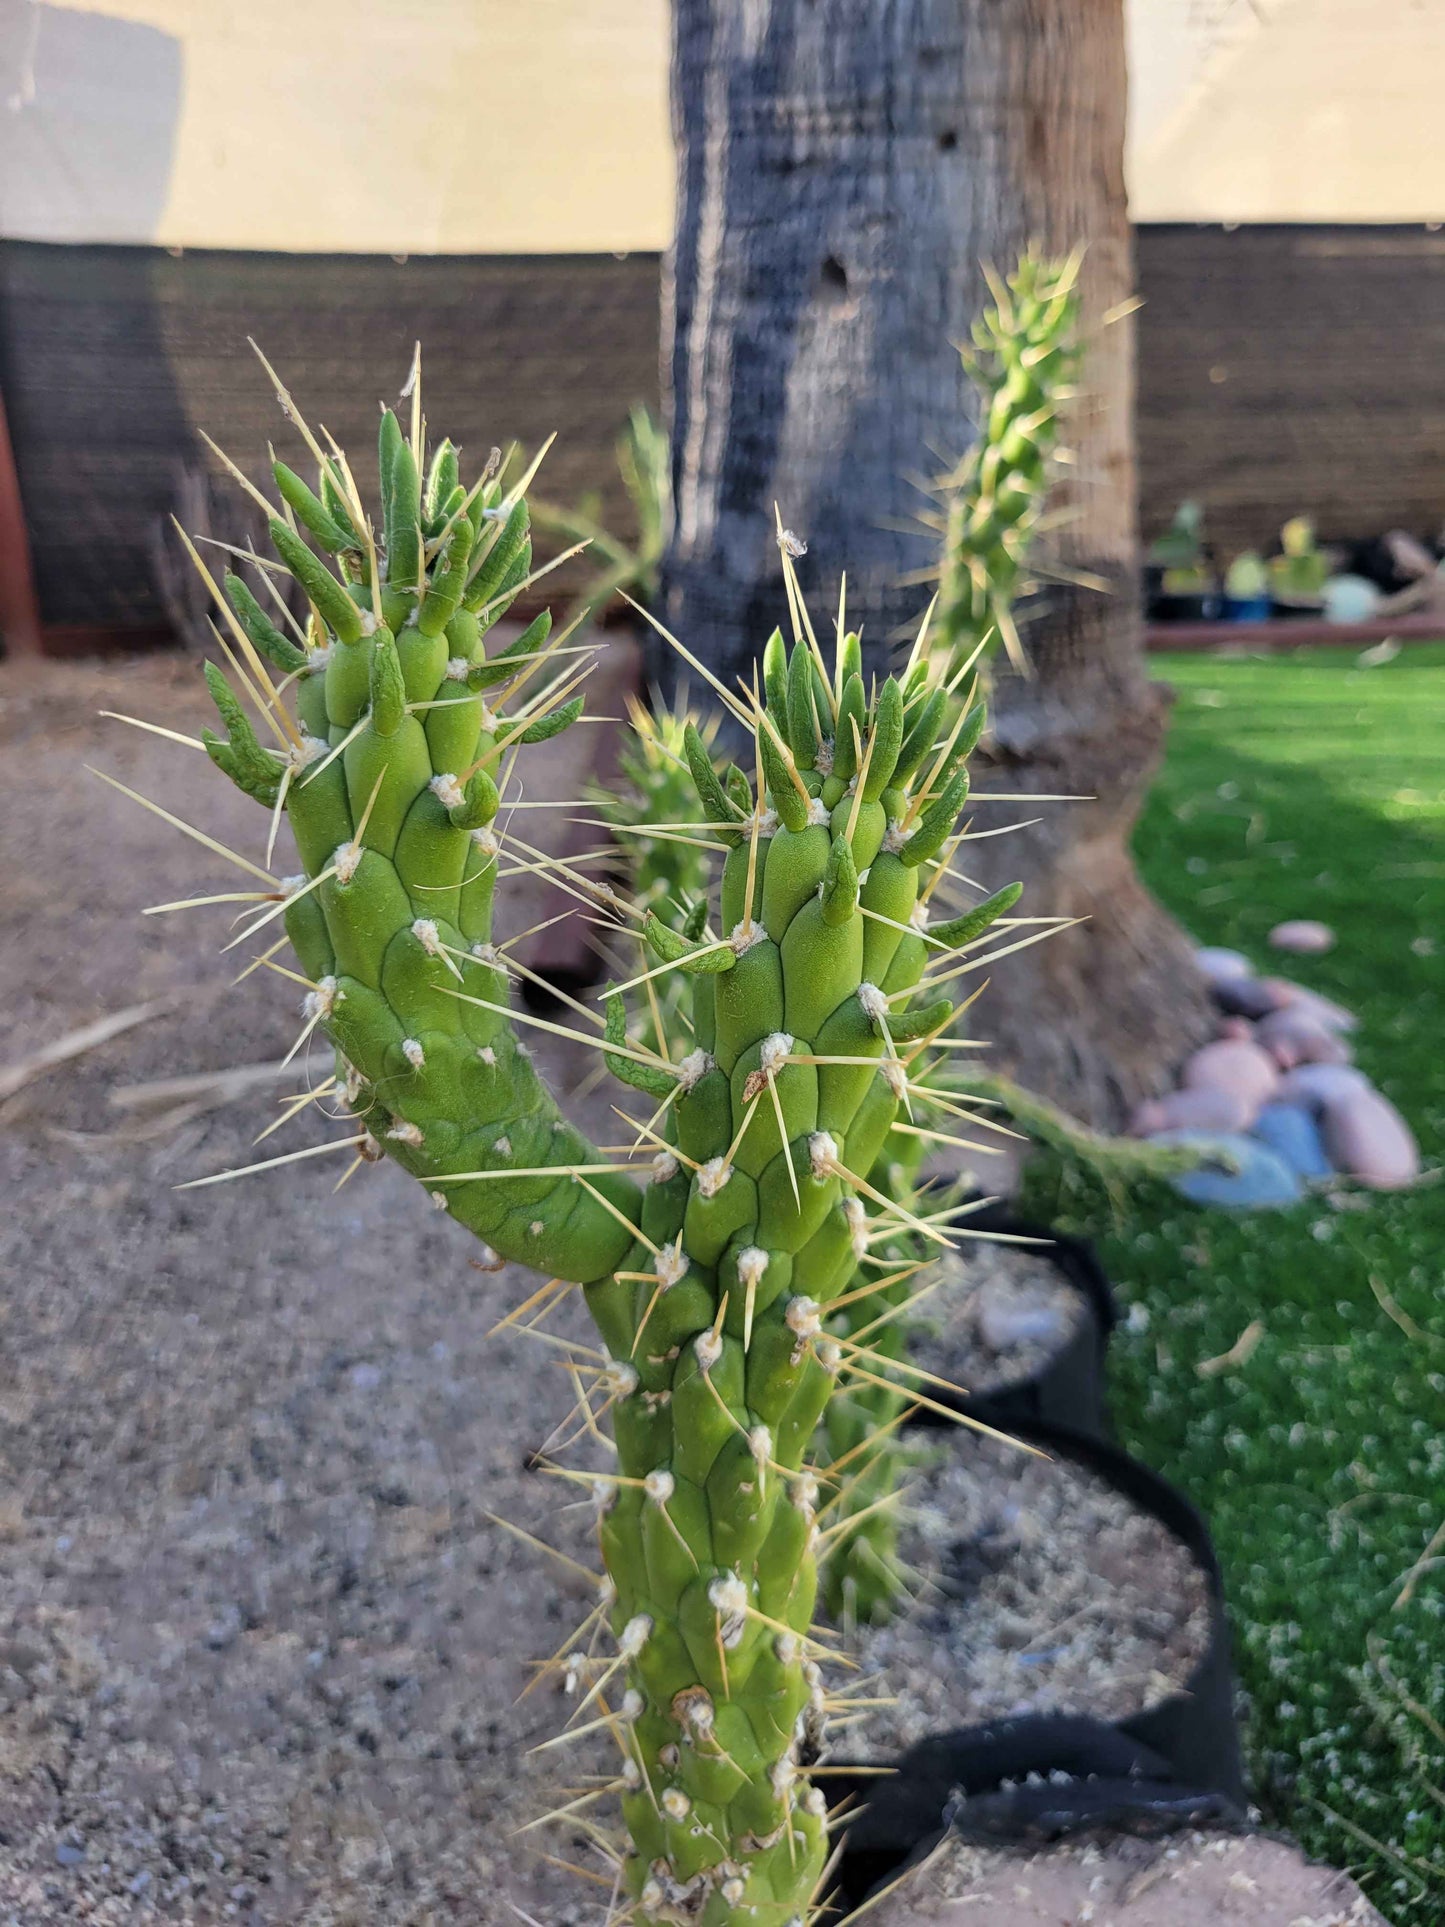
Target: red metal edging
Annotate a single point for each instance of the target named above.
(19, 610)
(1226, 638)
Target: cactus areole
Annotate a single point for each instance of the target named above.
(387, 733)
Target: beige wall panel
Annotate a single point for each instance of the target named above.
(394, 126)
(540, 126)
(1287, 110)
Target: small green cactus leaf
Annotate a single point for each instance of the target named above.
(972, 924)
(663, 942)
(740, 791)
(718, 807)
(402, 505)
(507, 662)
(333, 495)
(389, 443)
(936, 824)
(448, 581)
(849, 659)
(969, 735)
(310, 510)
(840, 884)
(279, 649)
(852, 724)
(553, 723)
(673, 949)
(493, 561)
(887, 740)
(444, 477)
(388, 688)
(325, 594)
(478, 805)
(802, 723)
(905, 1025)
(921, 734)
(654, 1081)
(775, 674)
(250, 768)
(790, 800)
(695, 922)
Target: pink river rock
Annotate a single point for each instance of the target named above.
(1222, 966)
(1284, 995)
(1367, 1137)
(1193, 1110)
(1318, 1085)
(1305, 938)
(1293, 1036)
(1240, 1068)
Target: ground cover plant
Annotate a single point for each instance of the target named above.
(1314, 785)
(715, 1247)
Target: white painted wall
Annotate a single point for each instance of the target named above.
(376, 126)
(540, 126)
(1287, 110)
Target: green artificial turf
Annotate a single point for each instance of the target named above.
(1313, 785)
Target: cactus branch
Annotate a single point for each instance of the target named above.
(727, 1255)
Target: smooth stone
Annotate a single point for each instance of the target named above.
(1222, 966)
(1242, 997)
(67, 1854)
(1291, 1133)
(1262, 1182)
(1237, 1065)
(1351, 598)
(1367, 1137)
(1285, 995)
(1304, 937)
(1292, 1036)
(1316, 1085)
(1191, 1110)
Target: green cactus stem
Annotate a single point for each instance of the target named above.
(624, 568)
(712, 1257)
(1023, 361)
(668, 858)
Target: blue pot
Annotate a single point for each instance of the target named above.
(1247, 608)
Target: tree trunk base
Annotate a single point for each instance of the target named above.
(1097, 1016)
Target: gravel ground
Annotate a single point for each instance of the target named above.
(997, 1314)
(260, 1648)
(1197, 1880)
(1040, 1589)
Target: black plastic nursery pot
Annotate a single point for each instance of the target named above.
(1165, 607)
(1068, 1388)
(1293, 611)
(1038, 1778)
(1043, 1777)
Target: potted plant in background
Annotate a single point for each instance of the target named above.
(1246, 589)
(1297, 575)
(1179, 580)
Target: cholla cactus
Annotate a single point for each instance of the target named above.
(668, 858)
(655, 809)
(1023, 361)
(712, 1258)
(644, 462)
(1297, 575)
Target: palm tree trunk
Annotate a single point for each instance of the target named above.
(843, 171)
